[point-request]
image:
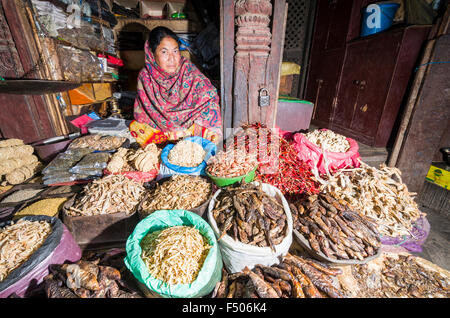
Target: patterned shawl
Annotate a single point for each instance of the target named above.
(171, 102)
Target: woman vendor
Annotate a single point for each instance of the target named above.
(174, 98)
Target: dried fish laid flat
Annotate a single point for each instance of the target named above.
(18, 241)
(86, 279)
(294, 277)
(108, 195)
(247, 214)
(175, 255)
(376, 194)
(98, 142)
(328, 140)
(399, 276)
(334, 230)
(179, 192)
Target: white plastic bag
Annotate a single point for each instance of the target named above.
(237, 255)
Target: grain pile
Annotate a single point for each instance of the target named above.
(328, 140)
(179, 192)
(376, 194)
(49, 207)
(18, 242)
(21, 195)
(111, 194)
(186, 154)
(175, 255)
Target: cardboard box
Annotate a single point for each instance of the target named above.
(152, 9)
(439, 173)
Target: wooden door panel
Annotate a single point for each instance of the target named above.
(325, 70)
(341, 11)
(381, 56)
(353, 71)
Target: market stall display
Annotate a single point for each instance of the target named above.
(98, 142)
(334, 232)
(379, 194)
(294, 277)
(28, 247)
(86, 279)
(396, 276)
(202, 272)
(178, 192)
(175, 255)
(265, 225)
(328, 140)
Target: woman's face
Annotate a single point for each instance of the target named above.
(167, 55)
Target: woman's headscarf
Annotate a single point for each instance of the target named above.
(170, 102)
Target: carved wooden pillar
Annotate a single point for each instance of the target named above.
(253, 38)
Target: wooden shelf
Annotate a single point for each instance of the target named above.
(176, 25)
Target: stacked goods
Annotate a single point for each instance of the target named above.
(144, 160)
(85, 279)
(294, 277)
(58, 170)
(231, 163)
(175, 255)
(17, 162)
(179, 192)
(98, 142)
(18, 241)
(376, 194)
(186, 154)
(333, 230)
(248, 215)
(328, 140)
(394, 276)
(111, 194)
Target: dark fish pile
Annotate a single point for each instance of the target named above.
(333, 229)
(86, 279)
(294, 277)
(402, 277)
(249, 215)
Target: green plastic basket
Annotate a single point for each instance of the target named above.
(223, 182)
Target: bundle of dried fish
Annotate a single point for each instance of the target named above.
(111, 194)
(231, 163)
(333, 229)
(376, 194)
(186, 154)
(247, 214)
(401, 276)
(294, 277)
(179, 192)
(328, 140)
(18, 241)
(143, 160)
(175, 255)
(85, 279)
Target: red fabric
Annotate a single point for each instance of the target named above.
(81, 122)
(172, 102)
(313, 156)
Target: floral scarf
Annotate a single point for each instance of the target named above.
(171, 102)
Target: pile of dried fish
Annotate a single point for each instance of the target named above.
(144, 160)
(183, 192)
(111, 194)
(333, 229)
(376, 194)
(18, 241)
(247, 214)
(98, 142)
(175, 255)
(231, 163)
(186, 154)
(403, 277)
(85, 279)
(328, 140)
(294, 277)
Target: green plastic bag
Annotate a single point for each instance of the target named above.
(210, 273)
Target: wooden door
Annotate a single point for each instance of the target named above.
(349, 87)
(322, 84)
(380, 60)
